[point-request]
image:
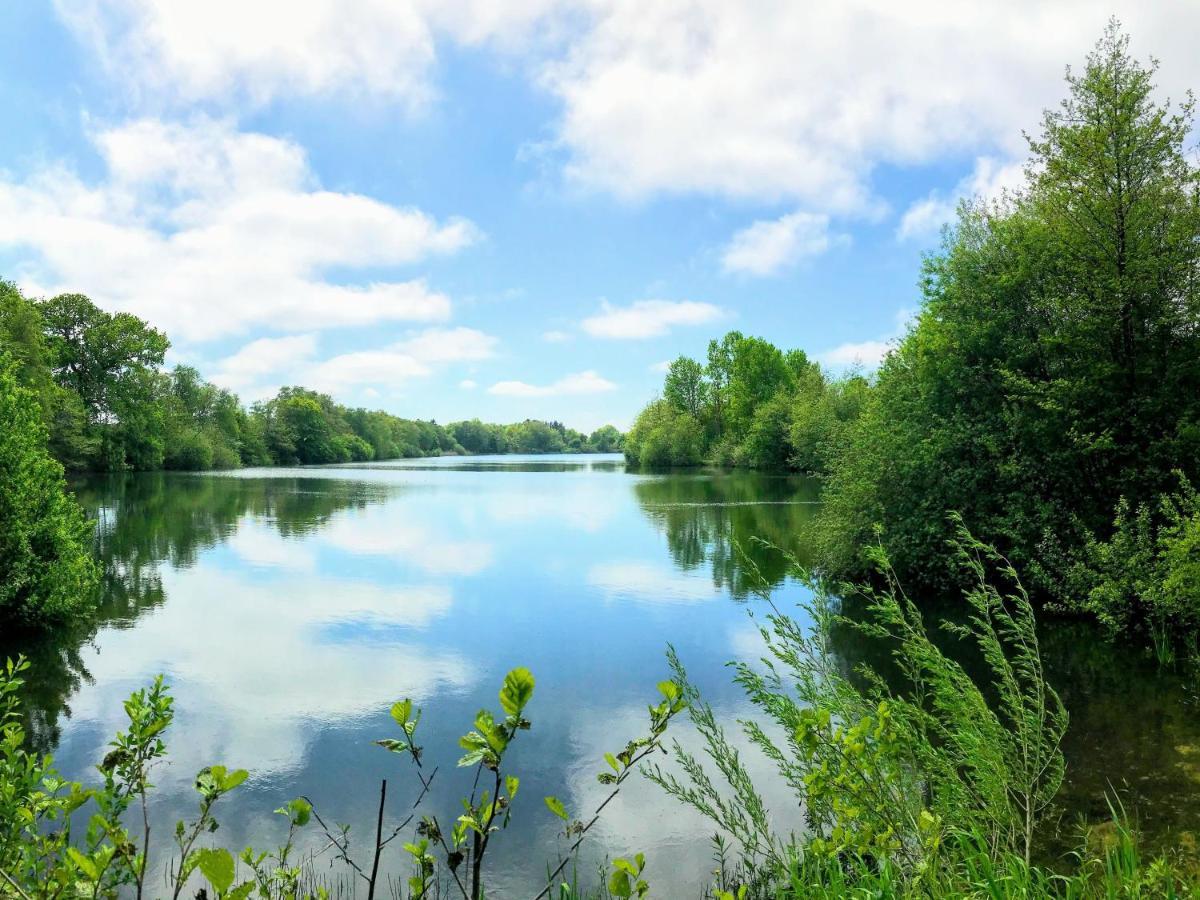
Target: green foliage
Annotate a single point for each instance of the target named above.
(1145, 578)
(664, 436)
(926, 784)
(46, 569)
(1052, 369)
(40, 855)
(107, 405)
(752, 405)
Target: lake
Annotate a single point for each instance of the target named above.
(289, 608)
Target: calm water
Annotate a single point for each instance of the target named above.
(290, 608)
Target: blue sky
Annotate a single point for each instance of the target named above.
(455, 208)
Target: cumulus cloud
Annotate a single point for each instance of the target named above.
(780, 100)
(263, 358)
(260, 366)
(256, 51)
(771, 100)
(989, 180)
(208, 231)
(449, 345)
(588, 382)
(648, 318)
(868, 354)
(766, 247)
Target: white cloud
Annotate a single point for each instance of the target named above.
(555, 337)
(262, 358)
(768, 100)
(468, 384)
(449, 345)
(363, 367)
(648, 318)
(588, 382)
(780, 100)
(661, 367)
(868, 354)
(207, 231)
(989, 180)
(768, 246)
(259, 367)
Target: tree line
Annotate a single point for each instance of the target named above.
(1048, 390)
(108, 404)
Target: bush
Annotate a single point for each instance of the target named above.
(46, 567)
(1145, 578)
(664, 436)
(192, 451)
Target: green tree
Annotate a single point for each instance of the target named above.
(102, 357)
(685, 387)
(757, 373)
(606, 439)
(46, 568)
(1053, 367)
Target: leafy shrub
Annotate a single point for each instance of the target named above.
(664, 436)
(46, 568)
(1145, 578)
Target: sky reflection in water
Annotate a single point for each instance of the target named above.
(290, 608)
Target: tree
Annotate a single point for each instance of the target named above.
(685, 387)
(757, 372)
(1053, 368)
(100, 356)
(46, 568)
(719, 370)
(606, 439)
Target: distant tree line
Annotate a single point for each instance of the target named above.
(108, 404)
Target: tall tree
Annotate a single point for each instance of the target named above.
(1053, 368)
(102, 357)
(685, 387)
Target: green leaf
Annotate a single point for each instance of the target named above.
(241, 892)
(612, 761)
(84, 864)
(555, 806)
(217, 866)
(618, 884)
(668, 689)
(513, 783)
(401, 712)
(298, 811)
(517, 690)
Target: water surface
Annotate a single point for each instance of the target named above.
(289, 608)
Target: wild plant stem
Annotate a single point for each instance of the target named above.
(378, 842)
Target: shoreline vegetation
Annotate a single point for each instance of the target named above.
(1040, 417)
(1046, 390)
(108, 405)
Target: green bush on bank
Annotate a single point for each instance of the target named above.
(46, 567)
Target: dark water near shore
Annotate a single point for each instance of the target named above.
(290, 608)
